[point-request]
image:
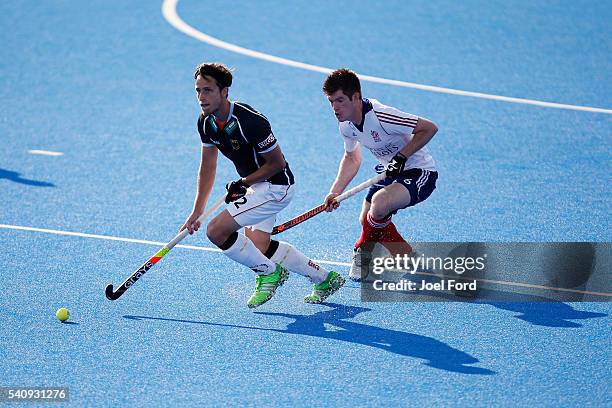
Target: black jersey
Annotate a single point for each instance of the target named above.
(246, 135)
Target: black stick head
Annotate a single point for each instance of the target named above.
(110, 294)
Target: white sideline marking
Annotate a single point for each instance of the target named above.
(170, 14)
(45, 152)
(106, 237)
(136, 241)
(199, 248)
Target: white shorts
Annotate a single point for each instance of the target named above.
(258, 208)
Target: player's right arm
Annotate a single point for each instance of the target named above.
(206, 180)
(349, 166)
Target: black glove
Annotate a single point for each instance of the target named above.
(396, 165)
(235, 190)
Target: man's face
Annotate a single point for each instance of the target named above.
(209, 95)
(343, 106)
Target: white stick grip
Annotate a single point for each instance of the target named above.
(201, 218)
(359, 187)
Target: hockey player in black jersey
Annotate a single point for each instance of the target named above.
(266, 186)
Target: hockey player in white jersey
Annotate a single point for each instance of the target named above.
(397, 139)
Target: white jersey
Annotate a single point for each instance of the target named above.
(385, 132)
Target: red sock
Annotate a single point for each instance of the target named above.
(394, 242)
(372, 230)
(392, 235)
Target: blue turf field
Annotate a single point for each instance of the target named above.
(109, 84)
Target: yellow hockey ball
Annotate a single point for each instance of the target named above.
(62, 314)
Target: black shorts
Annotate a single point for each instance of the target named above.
(420, 183)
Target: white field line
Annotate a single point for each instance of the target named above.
(170, 14)
(131, 240)
(45, 152)
(199, 248)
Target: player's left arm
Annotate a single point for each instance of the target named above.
(421, 135)
(259, 133)
(275, 162)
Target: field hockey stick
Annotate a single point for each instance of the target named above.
(114, 295)
(319, 209)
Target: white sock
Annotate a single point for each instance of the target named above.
(296, 261)
(245, 252)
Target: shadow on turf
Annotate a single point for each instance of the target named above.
(544, 313)
(537, 310)
(16, 177)
(437, 354)
(548, 314)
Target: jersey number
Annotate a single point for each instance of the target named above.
(240, 202)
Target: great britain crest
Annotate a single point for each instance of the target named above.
(375, 136)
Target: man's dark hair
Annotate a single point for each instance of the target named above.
(216, 70)
(343, 79)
